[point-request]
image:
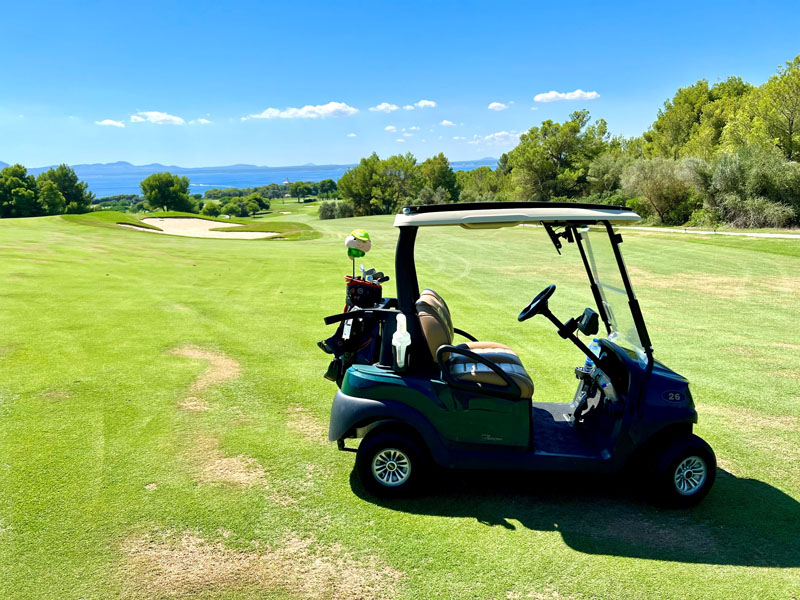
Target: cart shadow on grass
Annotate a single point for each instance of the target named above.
(742, 522)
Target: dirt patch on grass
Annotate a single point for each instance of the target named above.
(56, 395)
(547, 594)
(306, 424)
(151, 487)
(234, 471)
(185, 564)
(193, 404)
(220, 367)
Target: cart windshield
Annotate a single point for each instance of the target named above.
(615, 300)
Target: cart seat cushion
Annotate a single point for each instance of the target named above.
(433, 317)
(467, 370)
(436, 302)
(482, 347)
(437, 326)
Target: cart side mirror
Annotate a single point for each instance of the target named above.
(589, 324)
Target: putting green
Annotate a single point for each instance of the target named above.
(163, 418)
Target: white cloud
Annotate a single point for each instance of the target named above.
(447, 123)
(110, 122)
(384, 107)
(407, 134)
(401, 140)
(413, 128)
(553, 96)
(459, 137)
(390, 128)
(501, 138)
(497, 106)
(351, 135)
(331, 109)
(420, 104)
(157, 117)
(201, 121)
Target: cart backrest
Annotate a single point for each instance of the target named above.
(435, 319)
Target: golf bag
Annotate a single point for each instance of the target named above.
(356, 341)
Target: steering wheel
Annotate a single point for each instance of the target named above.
(538, 305)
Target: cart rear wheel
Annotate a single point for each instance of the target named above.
(390, 464)
(683, 471)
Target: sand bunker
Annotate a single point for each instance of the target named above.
(191, 227)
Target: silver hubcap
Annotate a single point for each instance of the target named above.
(391, 467)
(690, 475)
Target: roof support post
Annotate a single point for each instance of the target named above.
(636, 311)
(405, 272)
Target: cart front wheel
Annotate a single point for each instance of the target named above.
(390, 464)
(684, 471)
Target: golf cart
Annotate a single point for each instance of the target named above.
(420, 399)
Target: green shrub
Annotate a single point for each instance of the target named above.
(210, 209)
(336, 210)
(641, 207)
(756, 212)
(327, 210)
(704, 217)
(236, 208)
(344, 210)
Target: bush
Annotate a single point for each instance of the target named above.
(641, 207)
(236, 208)
(327, 210)
(754, 187)
(336, 210)
(756, 212)
(210, 209)
(252, 207)
(704, 217)
(344, 210)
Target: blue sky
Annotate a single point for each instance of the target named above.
(153, 71)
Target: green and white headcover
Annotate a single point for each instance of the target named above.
(357, 244)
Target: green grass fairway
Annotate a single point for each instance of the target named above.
(163, 422)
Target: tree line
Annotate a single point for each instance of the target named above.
(58, 191)
(727, 152)
(53, 192)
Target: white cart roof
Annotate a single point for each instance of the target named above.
(491, 215)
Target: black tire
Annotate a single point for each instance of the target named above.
(683, 471)
(391, 465)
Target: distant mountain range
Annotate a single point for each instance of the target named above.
(125, 168)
